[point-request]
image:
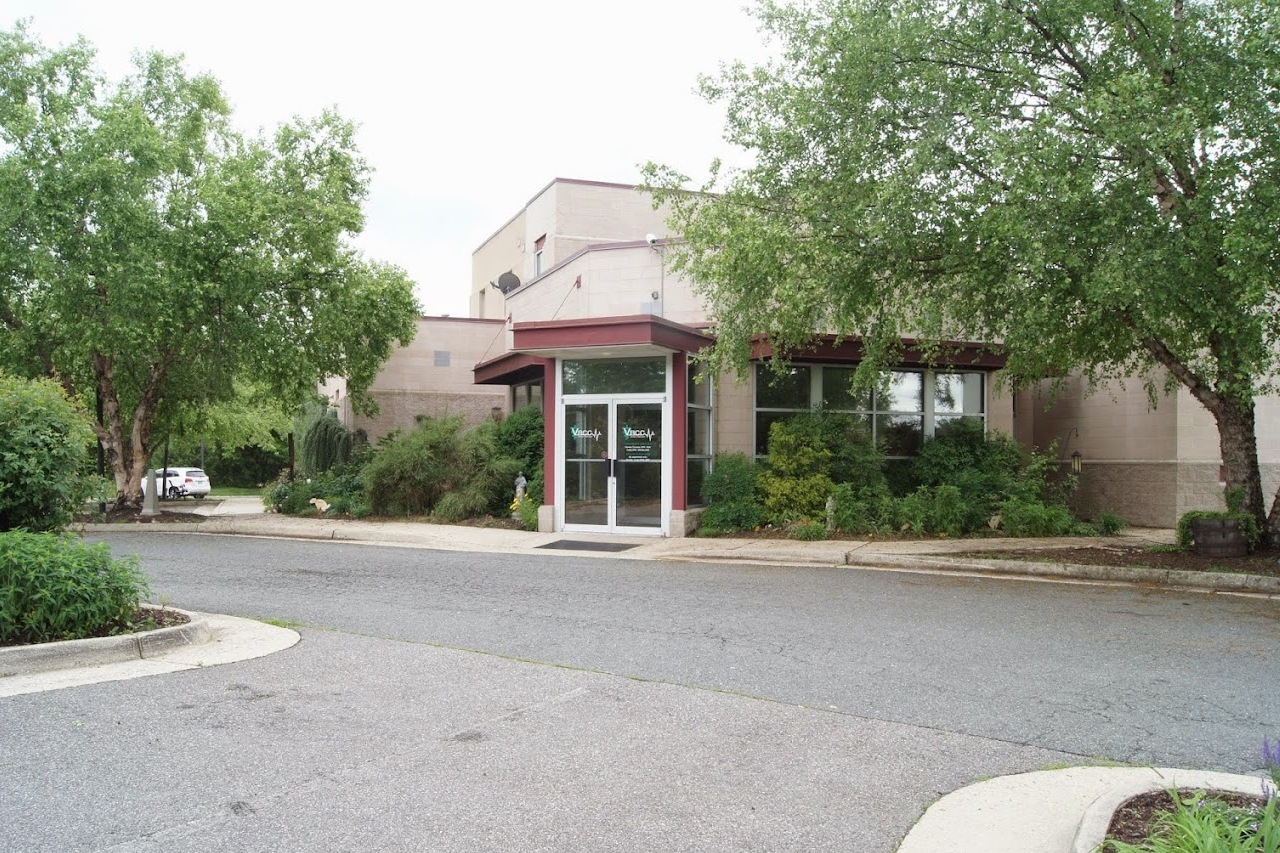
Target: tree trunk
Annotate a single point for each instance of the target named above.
(1237, 440)
(128, 458)
(1237, 433)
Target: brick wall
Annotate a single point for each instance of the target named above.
(400, 409)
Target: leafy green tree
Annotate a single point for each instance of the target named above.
(1094, 183)
(152, 256)
(250, 417)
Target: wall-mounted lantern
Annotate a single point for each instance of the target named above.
(1076, 460)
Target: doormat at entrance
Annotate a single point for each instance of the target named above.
(576, 545)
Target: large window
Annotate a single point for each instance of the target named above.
(698, 443)
(916, 405)
(526, 394)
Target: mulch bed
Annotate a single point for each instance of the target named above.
(1134, 821)
(1258, 563)
(142, 619)
(132, 516)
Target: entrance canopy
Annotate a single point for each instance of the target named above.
(536, 343)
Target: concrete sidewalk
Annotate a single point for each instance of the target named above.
(243, 516)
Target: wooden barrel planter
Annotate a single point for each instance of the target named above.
(1219, 537)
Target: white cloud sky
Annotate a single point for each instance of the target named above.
(465, 110)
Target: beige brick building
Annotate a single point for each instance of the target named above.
(430, 377)
(574, 310)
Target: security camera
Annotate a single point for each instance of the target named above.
(651, 239)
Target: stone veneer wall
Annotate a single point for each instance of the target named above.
(1142, 493)
(1156, 494)
(401, 409)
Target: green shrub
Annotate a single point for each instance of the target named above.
(412, 472)
(949, 513)
(440, 470)
(834, 444)
(869, 509)
(341, 487)
(461, 504)
(787, 499)
(56, 587)
(730, 492)
(805, 452)
(850, 513)
(1109, 524)
(1040, 479)
(731, 517)
(485, 482)
(733, 477)
(854, 457)
(324, 442)
(1030, 519)
(914, 511)
(44, 451)
(520, 436)
(941, 510)
(807, 530)
(986, 468)
(798, 448)
(900, 477)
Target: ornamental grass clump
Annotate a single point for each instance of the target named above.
(57, 587)
(1202, 823)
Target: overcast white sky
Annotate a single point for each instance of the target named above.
(465, 109)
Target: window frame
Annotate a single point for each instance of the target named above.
(705, 459)
(872, 414)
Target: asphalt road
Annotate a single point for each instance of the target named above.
(461, 701)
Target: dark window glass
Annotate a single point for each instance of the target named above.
(789, 390)
(838, 393)
(699, 432)
(697, 469)
(900, 435)
(699, 385)
(764, 420)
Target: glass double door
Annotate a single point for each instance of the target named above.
(612, 466)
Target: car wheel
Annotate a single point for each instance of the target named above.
(173, 493)
(198, 497)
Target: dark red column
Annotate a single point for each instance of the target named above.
(550, 405)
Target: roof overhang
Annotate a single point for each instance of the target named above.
(607, 337)
(510, 368)
(536, 344)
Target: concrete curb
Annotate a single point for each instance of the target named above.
(768, 552)
(1067, 810)
(1097, 817)
(97, 651)
(1216, 581)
